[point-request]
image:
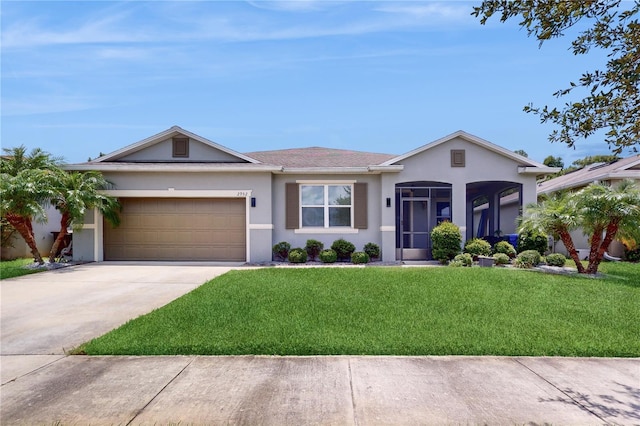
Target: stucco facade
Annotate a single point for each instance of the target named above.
(393, 201)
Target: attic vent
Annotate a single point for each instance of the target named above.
(457, 158)
(180, 147)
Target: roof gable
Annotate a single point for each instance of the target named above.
(522, 161)
(158, 149)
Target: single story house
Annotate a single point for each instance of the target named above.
(185, 197)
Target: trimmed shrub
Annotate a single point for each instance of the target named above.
(502, 259)
(477, 247)
(632, 255)
(297, 255)
(343, 248)
(463, 259)
(313, 248)
(373, 250)
(528, 259)
(504, 247)
(359, 257)
(281, 250)
(446, 240)
(532, 241)
(556, 259)
(328, 256)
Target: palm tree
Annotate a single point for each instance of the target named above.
(74, 194)
(606, 211)
(554, 215)
(25, 186)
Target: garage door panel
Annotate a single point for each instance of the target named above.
(178, 229)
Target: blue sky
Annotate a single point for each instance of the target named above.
(80, 78)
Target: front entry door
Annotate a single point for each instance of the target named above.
(415, 241)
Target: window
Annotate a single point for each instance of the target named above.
(324, 206)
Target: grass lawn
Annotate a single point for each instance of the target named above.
(393, 311)
(16, 268)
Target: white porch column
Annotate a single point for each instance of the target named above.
(529, 195)
(459, 207)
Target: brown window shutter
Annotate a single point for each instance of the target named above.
(292, 212)
(360, 205)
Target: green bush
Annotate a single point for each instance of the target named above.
(477, 247)
(632, 255)
(502, 258)
(297, 255)
(504, 247)
(556, 259)
(528, 259)
(313, 248)
(328, 256)
(446, 240)
(373, 250)
(343, 248)
(532, 241)
(281, 250)
(463, 259)
(359, 257)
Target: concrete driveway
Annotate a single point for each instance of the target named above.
(48, 313)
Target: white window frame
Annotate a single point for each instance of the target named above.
(326, 206)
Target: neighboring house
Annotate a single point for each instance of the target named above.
(43, 234)
(187, 198)
(610, 173)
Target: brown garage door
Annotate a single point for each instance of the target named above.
(178, 229)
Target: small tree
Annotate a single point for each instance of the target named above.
(601, 211)
(25, 187)
(73, 194)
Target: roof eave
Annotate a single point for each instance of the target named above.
(372, 170)
(172, 167)
(523, 170)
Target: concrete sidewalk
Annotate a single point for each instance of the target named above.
(344, 390)
(44, 314)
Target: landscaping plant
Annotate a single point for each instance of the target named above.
(531, 240)
(506, 248)
(601, 211)
(556, 259)
(313, 248)
(373, 250)
(501, 259)
(359, 257)
(477, 247)
(328, 256)
(528, 259)
(281, 250)
(462, 259)
(446, 240)
(297, 255)
(343, 248)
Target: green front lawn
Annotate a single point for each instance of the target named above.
(16, 268)
(393, 311)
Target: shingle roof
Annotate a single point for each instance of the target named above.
(319, 157)
(624, 168)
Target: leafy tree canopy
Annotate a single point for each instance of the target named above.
(552, 161)
(611, 104)
(521, 152)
